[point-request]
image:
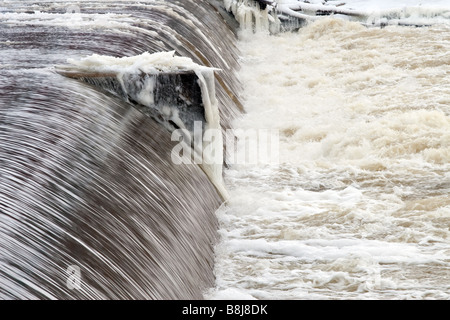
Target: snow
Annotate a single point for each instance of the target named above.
(145, 62)
(392, 4)
(375, 13)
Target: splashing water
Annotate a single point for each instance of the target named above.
(358, 207)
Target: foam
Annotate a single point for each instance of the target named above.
(358, 205)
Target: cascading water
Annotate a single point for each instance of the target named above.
(358, 205)
(91, 205)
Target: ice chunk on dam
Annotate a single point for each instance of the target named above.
(173, 90)
(157, 81)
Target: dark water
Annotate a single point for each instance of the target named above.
(86, 180)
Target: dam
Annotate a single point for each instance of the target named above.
(91, 205)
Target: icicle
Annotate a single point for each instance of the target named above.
(251, 17)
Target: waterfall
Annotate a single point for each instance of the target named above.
(91, 204)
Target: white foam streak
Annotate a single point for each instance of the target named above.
(332, 250)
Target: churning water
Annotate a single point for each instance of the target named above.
(359, 206)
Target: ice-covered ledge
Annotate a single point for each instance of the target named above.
(173, 90)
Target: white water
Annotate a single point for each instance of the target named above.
(359, 206)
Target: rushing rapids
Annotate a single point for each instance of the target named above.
(91, 206)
